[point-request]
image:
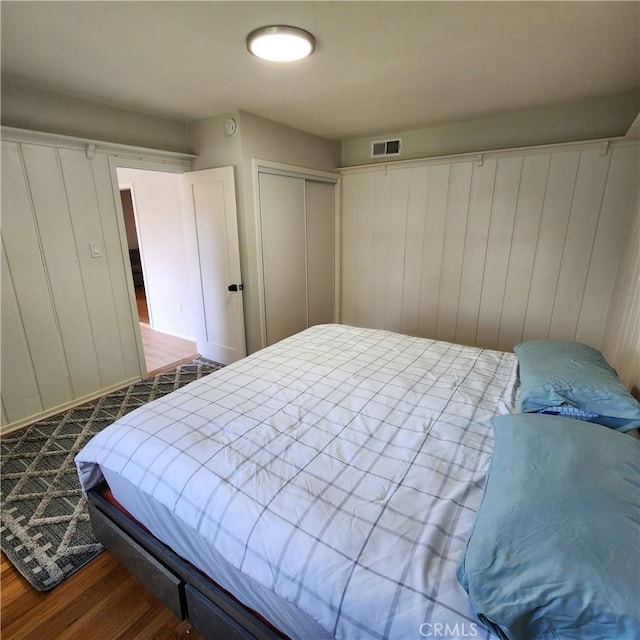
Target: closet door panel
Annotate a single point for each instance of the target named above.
(320, 251)
(350, 260)
(282, 204)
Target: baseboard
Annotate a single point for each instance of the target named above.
(25, 422)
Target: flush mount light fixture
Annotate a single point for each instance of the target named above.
(279, 43)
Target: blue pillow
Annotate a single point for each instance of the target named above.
(555, 548)
(559, 373)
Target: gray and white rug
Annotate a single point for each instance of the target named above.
(44, 524)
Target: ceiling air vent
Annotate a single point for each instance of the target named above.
(385, 148)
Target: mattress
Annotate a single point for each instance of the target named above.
(338, 471)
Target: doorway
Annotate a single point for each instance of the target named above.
(157, 254)
(187, 229)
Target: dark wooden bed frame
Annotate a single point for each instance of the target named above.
(184, 590)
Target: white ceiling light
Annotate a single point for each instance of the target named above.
(281, 43)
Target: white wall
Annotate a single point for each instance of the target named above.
(38, 110)
(158, 206)
(622, 336)
(487, 252)
(600, 117)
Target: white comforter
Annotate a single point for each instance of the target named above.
(341, 468)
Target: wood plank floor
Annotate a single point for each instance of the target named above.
(161, 350)
(164, 351)
(102, 601)
(141, 302)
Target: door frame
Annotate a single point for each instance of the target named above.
(177, 165)
(294, 171)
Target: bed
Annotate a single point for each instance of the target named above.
(324, 487)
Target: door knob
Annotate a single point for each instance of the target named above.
(235, 287)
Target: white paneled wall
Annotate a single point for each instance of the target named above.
(61, 335)
(487, 250)
(622, 337)
(68, 330)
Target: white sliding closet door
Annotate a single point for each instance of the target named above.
(297, 219)
(283, 254)
(319, 201)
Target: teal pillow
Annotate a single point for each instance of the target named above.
(555, 548)
(559, 373)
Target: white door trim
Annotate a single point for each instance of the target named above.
(116, 162)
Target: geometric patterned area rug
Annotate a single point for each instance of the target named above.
(44, 523)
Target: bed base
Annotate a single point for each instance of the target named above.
(189, 594)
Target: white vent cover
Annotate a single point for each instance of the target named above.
(384, 148)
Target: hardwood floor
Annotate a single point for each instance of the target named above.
(164, 351)
(102, 601)
(141, 301)
(161, 350)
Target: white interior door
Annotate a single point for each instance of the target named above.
(214, 258)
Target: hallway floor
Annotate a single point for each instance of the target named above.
(161, 350)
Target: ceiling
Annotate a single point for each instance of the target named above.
(378, 66)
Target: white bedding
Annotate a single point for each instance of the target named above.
(341, 469)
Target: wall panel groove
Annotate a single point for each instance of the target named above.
(491, 251)
(69, 324)
(27, 305)
(622, 335)
(62, 338)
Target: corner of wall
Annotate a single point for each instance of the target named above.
(214, 147)
(621, 344)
